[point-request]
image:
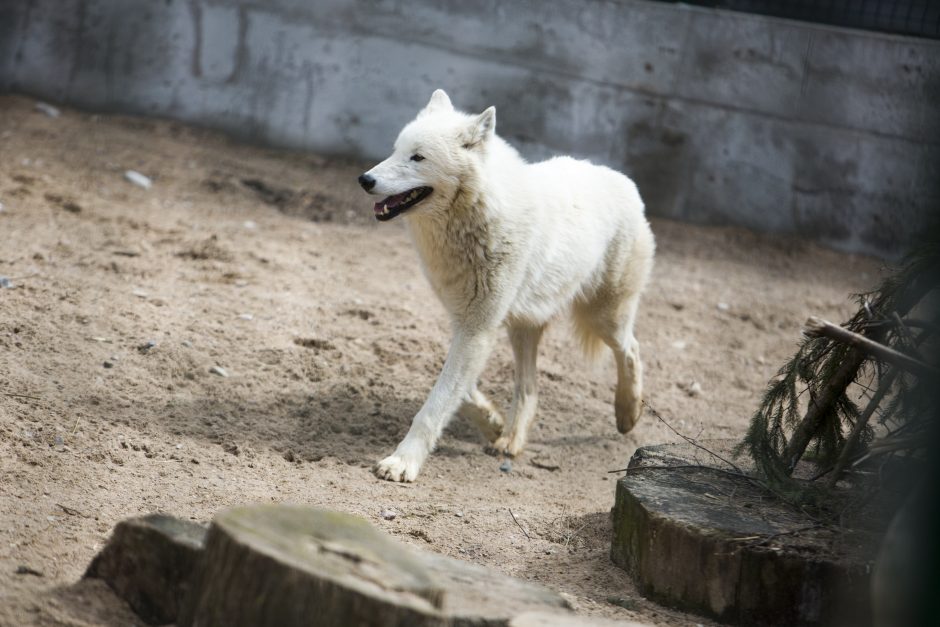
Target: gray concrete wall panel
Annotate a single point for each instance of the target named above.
(721, 117)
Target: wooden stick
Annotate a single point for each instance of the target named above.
(852, 441)
(819, 405)
(515, 520)
(817, 327)
(14, 395)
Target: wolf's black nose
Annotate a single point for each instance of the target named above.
(366, 181)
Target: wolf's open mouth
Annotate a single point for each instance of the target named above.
(399, 203)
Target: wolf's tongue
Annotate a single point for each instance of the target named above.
(391, 201)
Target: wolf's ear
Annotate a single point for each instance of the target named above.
(481, 128)
(438, 102)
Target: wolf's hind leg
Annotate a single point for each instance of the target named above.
(525, 345)
(612, 322)
(480, 410)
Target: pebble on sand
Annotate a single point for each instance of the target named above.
(219, 370)
(389, 514)
(693, 388)
(138, 179)
(506, 466)
(5, 282)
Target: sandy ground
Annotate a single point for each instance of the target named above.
(269, 265)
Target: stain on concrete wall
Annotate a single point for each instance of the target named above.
(721, 117)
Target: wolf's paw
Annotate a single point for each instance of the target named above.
(504, 445)
(628, 414)
(397, 468)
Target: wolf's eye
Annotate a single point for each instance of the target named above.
(417, 157)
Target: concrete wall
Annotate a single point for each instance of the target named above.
(720, 117)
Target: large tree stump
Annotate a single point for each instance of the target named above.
(288, 566)
(710, 542)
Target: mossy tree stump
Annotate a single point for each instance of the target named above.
(709, 542)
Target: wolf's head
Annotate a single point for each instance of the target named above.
(433, 155)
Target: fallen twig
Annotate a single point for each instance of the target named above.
(730, 473)
(71, 511)
(518, 524)
(544, 465)
(767, 539)
(14, 395)
(691, 441)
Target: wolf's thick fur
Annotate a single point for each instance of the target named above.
(508, 243)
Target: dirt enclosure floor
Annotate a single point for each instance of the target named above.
(269, 266)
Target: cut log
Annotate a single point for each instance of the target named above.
(148, 562)
(712, 542)
(289, 566)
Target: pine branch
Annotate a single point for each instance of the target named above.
(817, 327)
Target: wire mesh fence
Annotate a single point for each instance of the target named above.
(919, 18)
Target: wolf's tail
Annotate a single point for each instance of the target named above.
(590, 343)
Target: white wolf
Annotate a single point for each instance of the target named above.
(508, 243)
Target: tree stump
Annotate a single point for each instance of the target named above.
(705, 541)
(148, 562)
(288, 566)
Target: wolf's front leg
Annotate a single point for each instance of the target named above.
(465, 361)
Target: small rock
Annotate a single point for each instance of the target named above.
(506, 466)
(139, 293)
(219, 370)
(187, 343)
(48, 109)
(146, 346)
(388, 514)
(458, 514)
(138, 179)
(679, 345)
(246, 316)
(693, 388)
(108, 364)
(249, 224)
(723, 306)
(5, 282)
(1, 207)
(231, 448)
